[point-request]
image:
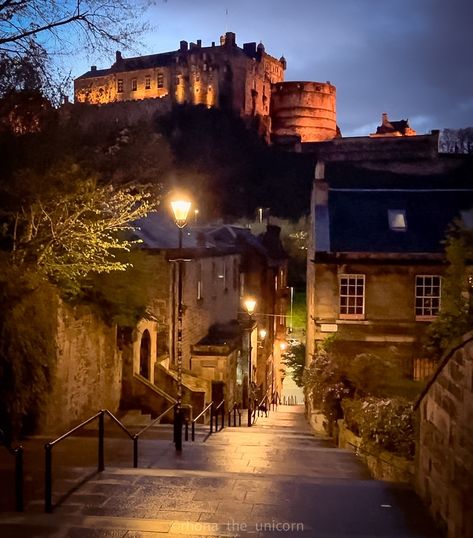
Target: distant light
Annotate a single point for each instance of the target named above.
(283, 346)
(262, 334)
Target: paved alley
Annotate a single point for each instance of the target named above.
(273, 479)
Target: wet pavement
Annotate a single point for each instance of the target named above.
(273, 479)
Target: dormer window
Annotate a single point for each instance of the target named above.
(397, 220)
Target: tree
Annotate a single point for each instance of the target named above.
(294, 358)
(456, 314)
(32, 32)
(457, 140)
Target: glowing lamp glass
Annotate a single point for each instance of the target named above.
(180, 209)
(250, 305)
(262, 334)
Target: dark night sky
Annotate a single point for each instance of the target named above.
(409, 58)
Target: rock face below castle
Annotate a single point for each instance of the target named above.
(245, 80)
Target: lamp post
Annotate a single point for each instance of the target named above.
(250, 305)
(180, 209)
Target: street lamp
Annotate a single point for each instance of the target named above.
(180, 209)
(250, 304)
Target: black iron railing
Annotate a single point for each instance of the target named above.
(235, 411)
(201, 414)
(17, 453)
(48, 447)
(219, 410)
(136, 436)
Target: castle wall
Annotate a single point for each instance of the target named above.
(305, 109)
(224, 76)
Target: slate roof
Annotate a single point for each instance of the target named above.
(356, 219)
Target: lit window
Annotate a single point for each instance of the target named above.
(397, 220)
(147, 82)
(161, 80)
(428, 292)
(352, 296)
(120, 85)
(134, 84)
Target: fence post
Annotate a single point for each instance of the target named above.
(249, 414)
(101, 462)
(19, 479)
(48, 505)
(193, 431)
(186, 429)
(135, 451)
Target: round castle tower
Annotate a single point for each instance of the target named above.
(305, 109)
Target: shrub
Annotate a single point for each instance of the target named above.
(383, 423)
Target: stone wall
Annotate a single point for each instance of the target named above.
(87, 375)
(444, 471)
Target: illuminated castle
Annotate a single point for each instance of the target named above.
(244, 79)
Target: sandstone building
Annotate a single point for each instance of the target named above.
(246, 80)
(380, 210)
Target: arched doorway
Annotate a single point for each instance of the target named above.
(145, 354)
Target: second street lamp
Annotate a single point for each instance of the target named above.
(180, 209)
(250, 305)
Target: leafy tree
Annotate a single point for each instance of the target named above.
(63, 223)
(456, 314)
(294, 358)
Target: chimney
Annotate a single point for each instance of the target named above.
(384, 118)
(199, 43)
(213, 43)
(183, 46)
(250, 49)
(118, 57)
(93, 68)
(230, 39)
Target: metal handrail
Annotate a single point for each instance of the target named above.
(136, 436)
(17, 453)
(204, 410)
(48, 507)
(235, 410)
(215, 413)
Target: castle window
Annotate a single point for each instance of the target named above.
(134, 84)
(352, 296)
(428, 294)
(120, 85)
(161, 80)
(147, 82)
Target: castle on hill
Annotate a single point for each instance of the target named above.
(246, 80)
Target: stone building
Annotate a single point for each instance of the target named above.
(263, 276)
(444, 455)
(380, 210)
(393, 128)
(222, 265)
(246, 80)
